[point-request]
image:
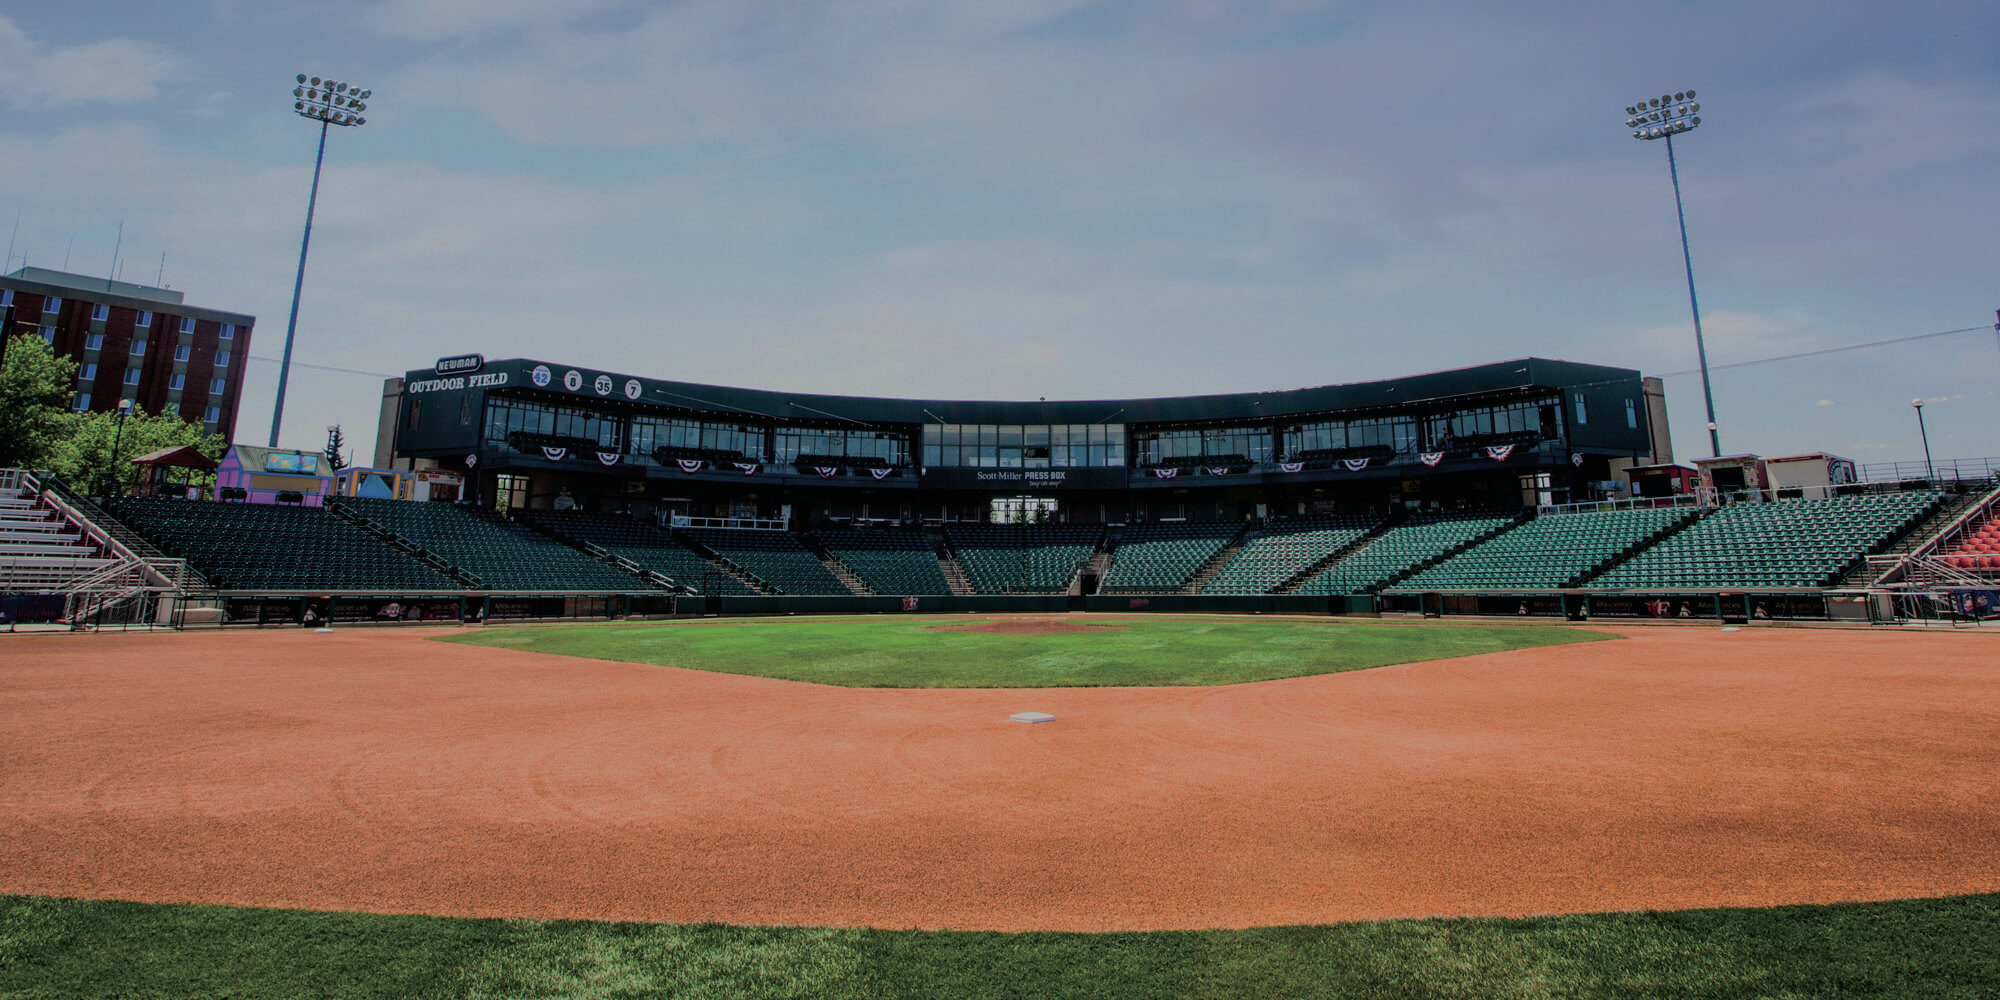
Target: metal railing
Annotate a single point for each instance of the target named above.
(1961, 469)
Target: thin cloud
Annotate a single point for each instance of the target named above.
(116, 70)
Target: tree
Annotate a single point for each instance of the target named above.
(334, 463)
(35, 387)
(84, 456)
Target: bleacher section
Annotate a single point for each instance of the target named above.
(1787, 543)
(891, 561)
(1160, 558)
(646, 546)
(39, 551)
(1548, 552)
(503, 556)
(1023, 558)
(240, 546)
(776, 557)
(1284, 549)
(1399, 549)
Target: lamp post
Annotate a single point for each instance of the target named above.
(1660, 118)
(328, 102)
(110, 481)
(1929, 471)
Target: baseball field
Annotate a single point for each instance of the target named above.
(1247, 807)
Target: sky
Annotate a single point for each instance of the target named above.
(1018, 199)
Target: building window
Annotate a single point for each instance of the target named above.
(215, 387)
(51, 304)
(173, 408)
(1631, 415)
(187, 324)
(6, 298)
(138, 348)
(181, 353)
(228, 332)
(1582, 415)
(176, 380)
(49, 335)
(214, 414)
(145, 319)
(82, 402)
(465, 409)
(89, 373)
(94, 342)
(222, 359)
(131, 376)
(100, 312)
(416, 412)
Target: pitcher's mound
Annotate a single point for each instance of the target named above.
(1023, 626)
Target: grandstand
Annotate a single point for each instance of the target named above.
(1786, 543)
(779, 559)
(896, 561)
(1023, 558)
(494, 554)
(261, 547)
(643, 545)
(1551, 551)
(1402, 549)
(1162, 558)
(1272, 556)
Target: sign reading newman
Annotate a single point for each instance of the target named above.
(460, 365)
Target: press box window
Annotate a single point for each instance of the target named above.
(1631, 415)
(1582, 415)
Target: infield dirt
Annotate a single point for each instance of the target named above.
(373, 770)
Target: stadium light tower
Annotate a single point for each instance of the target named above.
(328, 102)
(1661, 118)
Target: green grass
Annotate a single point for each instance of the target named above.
(904, 652)
(1939, 948)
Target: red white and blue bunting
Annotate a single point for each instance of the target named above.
(826, 472)
(1291, 466)
(1354, 464)
(608, 458)
(1430, 457)
(689, 465)
(748, 468)
(1218, 470)
(1499, 452)
(1165, 473)
(554, 454)
(880, 473)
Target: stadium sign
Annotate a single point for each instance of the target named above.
(462, 364)
(486, 380)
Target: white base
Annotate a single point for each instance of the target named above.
(1031, 717)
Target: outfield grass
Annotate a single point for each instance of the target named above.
(1940, 948)
(903, 652)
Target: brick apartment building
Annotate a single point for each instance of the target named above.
(135, 342)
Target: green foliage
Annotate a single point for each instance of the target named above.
(1916, 948)
(916, 652)
(85, 455)
(35, 389)
(334, 445)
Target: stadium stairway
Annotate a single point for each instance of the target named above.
(954, 571)
(734, 570)
(840, 570)
(1396, 552)
(1955, 509)
(1292, 583)
(1206, 571)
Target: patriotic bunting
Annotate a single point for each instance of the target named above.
(554, 454)
(748, 468)
(1218, 470)
(880, 473)
(1292, 466)
(1431, 457)
(1576, 458)
(689, 465)
(826, 472)
(1354, 464)
(1165, 473)
(607, 458)
(1499, 452)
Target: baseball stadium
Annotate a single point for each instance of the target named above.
(600, 684)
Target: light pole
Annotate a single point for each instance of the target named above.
(1929, 472)
(1659, 118)
(110, 482)
(328, 102)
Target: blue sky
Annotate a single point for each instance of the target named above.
(1026, 198)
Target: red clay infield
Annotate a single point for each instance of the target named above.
(372, 770)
